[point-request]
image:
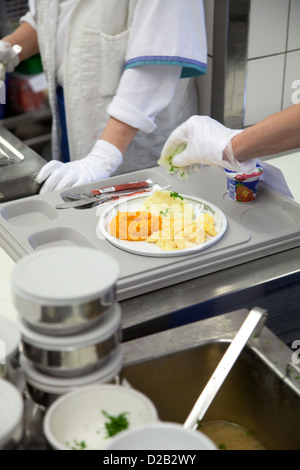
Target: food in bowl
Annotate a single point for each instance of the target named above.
(87, 419)
(230, 436)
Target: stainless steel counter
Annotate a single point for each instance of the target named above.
(272, 282)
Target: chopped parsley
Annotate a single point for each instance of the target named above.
(115, 423)
(78, 445)
(175, 195)
(171, 166)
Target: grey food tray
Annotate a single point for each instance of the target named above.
(265, 226)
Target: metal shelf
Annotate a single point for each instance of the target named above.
(34, 116)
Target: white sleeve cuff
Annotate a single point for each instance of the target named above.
(143, 93)
(125, 112)
(28, 18)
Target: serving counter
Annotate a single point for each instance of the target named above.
(19, 166)
(255, 263)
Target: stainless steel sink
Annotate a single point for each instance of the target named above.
(261, 393)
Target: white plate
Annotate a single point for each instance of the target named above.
(150, 249)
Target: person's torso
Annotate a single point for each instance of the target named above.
(94, 51)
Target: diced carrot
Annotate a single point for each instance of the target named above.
(134, 226)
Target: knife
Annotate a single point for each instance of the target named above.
(102, 197)
(108, 189)
(124, 187)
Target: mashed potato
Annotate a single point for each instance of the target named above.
(180, 228)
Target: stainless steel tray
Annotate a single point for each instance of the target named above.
(268, 225)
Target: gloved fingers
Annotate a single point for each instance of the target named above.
(98, 164)
(184, 158)
(99, 175)
(59, 179)
(175, 144)
(9, 55)
(47, 169)
(248, 166)
(176, 139)
(66, 180)
(49, 185)
(168, 152)
(82, 179)
(5, 48)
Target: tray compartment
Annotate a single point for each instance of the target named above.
(267, 218)
(58, 236)
(26, 213)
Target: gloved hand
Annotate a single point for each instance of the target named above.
(9, 57)
(201, 140)
(100, 163)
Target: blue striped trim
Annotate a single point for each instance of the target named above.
(190, 68)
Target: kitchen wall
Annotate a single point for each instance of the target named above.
(273, 65)
(253, 59)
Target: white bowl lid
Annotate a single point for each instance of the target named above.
(107, 326)
(11, 410)
(64, 275)
(10, 337)
(59, 385)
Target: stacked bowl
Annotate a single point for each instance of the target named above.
(69, 320)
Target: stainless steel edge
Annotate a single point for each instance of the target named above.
(230, 48)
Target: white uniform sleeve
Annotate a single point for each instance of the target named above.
(30, 17)
(171, 34)
(143, 92)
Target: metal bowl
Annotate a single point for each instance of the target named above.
(44, 389)
(61, 291)
(74, 354)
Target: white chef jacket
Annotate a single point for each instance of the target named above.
(165, 33)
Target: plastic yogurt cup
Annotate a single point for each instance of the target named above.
(243, 187)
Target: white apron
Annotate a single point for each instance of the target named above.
(103, 37)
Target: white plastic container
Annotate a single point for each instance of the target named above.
(241, 187)
(161, 436)
(11, 415)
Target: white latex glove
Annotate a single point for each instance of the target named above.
(9, 56)
(100, 163)
(201, 140)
